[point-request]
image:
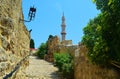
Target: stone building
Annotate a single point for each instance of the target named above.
(14, 40)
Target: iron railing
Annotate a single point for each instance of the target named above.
(15, 69)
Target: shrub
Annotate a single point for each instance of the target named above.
(64, 62)
(42, 50)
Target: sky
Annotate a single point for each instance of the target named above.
(48, 18)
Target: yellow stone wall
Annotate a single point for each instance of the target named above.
(52, 48)
(14, 37)
(84, 69)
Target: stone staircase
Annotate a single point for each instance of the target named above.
(41, 69)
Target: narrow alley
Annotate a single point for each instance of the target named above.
(41, 69)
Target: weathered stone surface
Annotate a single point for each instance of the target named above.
(2, 50)
(4, 42)
(14, 38)
(3, 66)
(3, 57)
(84, 69)
(53, 44)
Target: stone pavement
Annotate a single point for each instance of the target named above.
(41, 69)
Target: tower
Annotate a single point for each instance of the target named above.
(63, 25)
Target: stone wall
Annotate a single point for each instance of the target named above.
(84, 69)
(67, 49)
(14, 38)
(53, 44)
(66, 42)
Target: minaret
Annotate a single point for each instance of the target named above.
(63, 33)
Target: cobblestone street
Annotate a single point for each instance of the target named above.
(41, 69)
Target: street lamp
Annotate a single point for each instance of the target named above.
(31, 14)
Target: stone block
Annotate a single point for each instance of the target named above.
(3, 66)
(13, 58)
(2, 51)
(3, 57)
(5, 43)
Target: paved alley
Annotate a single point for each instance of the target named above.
(41, 69)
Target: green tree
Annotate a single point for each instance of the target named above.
(97, 46)
(101, 35)
(42, 50)
(32, 44)
(111, 25)
(50, 36)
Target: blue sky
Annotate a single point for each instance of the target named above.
(48, 18)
